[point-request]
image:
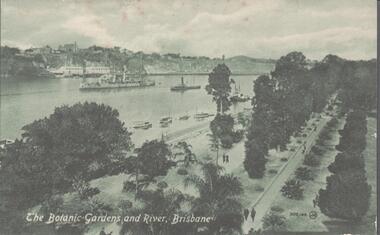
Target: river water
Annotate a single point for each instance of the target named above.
(22, 102)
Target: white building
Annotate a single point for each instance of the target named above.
(68, 71)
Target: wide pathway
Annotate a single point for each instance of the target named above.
(264, 201)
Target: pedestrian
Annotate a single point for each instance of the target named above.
(315, 128)
(253, 213)
(102, 232)
(224, 158)
(314, 202)
(246, 213)
(227, 158)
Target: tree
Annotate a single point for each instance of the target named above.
(292, 92)
(83, 141)
(255, 160)
(215, 145)
(189, 156)
(223, 127)
(346, 195)
(218, 197)
(219, 86)
(151, 160)
(303, 173)
(346, 161)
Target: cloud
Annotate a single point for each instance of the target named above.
(90, 26)
(256, 28)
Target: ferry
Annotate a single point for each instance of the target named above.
(184, 87)
(112, 81)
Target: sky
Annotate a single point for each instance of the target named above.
(256, 28)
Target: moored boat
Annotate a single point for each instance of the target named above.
(142, 125)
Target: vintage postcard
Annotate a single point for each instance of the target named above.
(188, 117)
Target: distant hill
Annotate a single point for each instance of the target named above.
(237, 65)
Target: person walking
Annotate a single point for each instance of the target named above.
(246, 213)
(314, 202)
(227, 158)
(102, 232)
(253, 213)
(224, 158)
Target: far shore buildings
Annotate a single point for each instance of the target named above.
(73, 70)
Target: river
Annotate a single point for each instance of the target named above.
(22, 102)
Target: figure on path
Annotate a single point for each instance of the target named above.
(224, 158)
(253, 213)
(246, 213)
(227, 158)
(314, 202)
(102, 232)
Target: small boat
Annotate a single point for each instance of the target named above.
(202, 115)
(142, 125)
(184, 117)
(166, 120)
(164, 124)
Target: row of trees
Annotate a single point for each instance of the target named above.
(282, 105)
(347, 192)
(284, 102)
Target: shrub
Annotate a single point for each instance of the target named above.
(284, 159)
(259, 188)
(125, 205)
(311, 160)
(299, 141)
(292, 189)
(272, 171)
(129, 186)
(182, 171)
(277, 209)
(162, 185)
(304, 135)
(274, 222)
(318, 150)
(90, 192)
(303, 173)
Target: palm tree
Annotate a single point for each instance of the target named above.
(218, 197)
(157, 203)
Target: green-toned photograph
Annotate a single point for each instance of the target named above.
(188, 117)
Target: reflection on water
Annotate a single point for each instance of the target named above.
(25, 101)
